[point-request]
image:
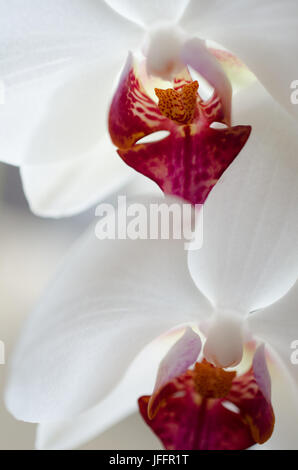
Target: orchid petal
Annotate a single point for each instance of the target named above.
(66, 360)
(67, 116)
(284, 401)
(41, 45)
(276, 326)
(17, 127)
(122, 401)
(76, 431)
(75, 119)
(129, 433)
(253, 31)
(65, 188)
(66, 163)
(181, 356)
(146, 13)
(249, 256)
(39, 37)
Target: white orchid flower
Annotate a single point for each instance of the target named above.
(112, 297)
(60, 59)
(102, 310)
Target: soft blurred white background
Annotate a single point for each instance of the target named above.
(30, 250)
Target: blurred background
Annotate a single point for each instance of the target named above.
(30, 250)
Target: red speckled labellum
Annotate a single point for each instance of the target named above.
(208, 408)
(191, 159)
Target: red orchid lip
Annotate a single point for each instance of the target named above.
(188, 162)
(210, 409)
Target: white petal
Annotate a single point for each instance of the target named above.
(38, 36)
(59, 118)
(109, 299)
(146, 13)
(129, 433)
(285, 405)
(277, 326)
(262, 34)
(249, 255)
(17, 124)
(122, 401)
(65, 188)
(76, 116)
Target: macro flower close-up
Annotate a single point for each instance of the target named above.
(163, 135)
